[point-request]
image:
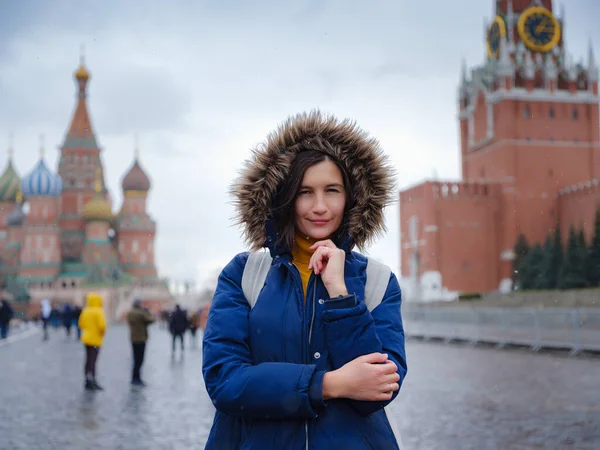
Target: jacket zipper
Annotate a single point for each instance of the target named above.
(306, 348)
(310, 329)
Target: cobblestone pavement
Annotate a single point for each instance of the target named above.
(454, 398)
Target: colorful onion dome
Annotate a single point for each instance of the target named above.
(98, 208)
(136, 179)
(41, 182)
(9, 183)
(16, 216)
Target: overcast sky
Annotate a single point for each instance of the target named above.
(202, 82)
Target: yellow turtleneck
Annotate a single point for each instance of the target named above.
(301, 255)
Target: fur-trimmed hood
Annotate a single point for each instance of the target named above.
(368, 168)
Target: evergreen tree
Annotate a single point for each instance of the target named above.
(593, 266)
(555, 259)
(530, 269)
(546, 281)
(521, 250)
(572, 272)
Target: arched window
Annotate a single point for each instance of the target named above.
(527, 112)
(575, 113)
(551, 112)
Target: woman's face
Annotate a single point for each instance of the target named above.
(320, 203)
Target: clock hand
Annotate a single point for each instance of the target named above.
(541, 26)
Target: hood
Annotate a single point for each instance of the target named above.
(368, 168)
(94, 300)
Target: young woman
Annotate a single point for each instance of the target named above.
(309, 366)
(93, 326)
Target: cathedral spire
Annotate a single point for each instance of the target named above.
(592, 66)
(81, 134)
(505, 65)
(10, 147)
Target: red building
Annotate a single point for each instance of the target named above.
(530, 153)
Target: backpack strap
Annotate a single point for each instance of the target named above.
(258, 265)
(254, 276)
(378, 277)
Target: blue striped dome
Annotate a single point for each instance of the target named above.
(41, 182)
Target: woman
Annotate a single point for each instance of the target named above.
(93, 327)
(309, 366)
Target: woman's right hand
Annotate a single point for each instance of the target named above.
(363, 378)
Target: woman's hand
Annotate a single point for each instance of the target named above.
(363, 378)
(329, 261)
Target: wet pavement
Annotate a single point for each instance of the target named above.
(455, 397)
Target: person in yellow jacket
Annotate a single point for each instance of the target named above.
(93, 326)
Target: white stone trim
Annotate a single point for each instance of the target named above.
(490, 119)
(532, 143)
(543, 95)
(507, 255)
(430, 228)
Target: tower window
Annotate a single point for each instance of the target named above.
(527, 112)
(551, 112)
(575, 114)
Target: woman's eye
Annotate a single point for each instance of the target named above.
(302, 192)
(333, 190)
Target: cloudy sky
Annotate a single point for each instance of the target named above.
(202, 82)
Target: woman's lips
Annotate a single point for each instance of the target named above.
(319, 222)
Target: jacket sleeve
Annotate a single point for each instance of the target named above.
(269, 390)
(352, 331)
(101, 323)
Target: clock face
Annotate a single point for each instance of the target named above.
(496, 32)
(539, 29)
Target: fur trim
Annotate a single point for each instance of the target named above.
(367, 166)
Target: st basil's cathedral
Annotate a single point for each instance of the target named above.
(59, 237)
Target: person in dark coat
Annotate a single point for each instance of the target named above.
(67, 318)
(178, 324)
(6, 315)
(138, 320)
(310, 365)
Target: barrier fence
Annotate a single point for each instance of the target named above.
(572, 329)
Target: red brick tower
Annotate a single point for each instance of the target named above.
(79, 161)
(529, 125)
(135, 228)
(40, 250)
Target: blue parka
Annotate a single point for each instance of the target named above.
(264, 367)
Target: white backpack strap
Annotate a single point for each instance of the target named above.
(378, 277)
(254, 276)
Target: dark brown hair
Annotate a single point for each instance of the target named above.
(283, 204)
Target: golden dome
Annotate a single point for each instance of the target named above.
(97, 209)
(82, 74)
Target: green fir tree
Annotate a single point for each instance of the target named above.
(555, 259)
(546, 281)
(572, 272)
(593, 263)
(530, 269)
(521, 250)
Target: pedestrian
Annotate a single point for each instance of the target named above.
(93, 326)
(6, 315)
(178, 324)
(194, 321)
(46, 313)
(76, 314)
(138, 320)
(67, 318)
(309, 365)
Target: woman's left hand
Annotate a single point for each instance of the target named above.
(328, 261)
